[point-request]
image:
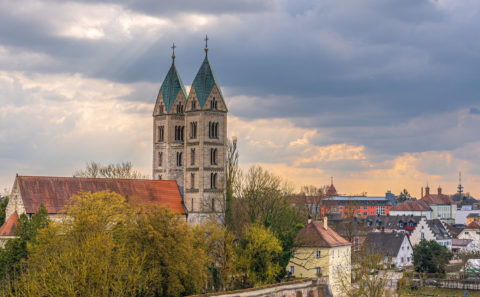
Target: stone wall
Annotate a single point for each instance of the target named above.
(299, 288)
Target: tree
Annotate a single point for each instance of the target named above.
(403, 196)
(430, 257)
(15, 250)
(232, 173)
(119, 170)
(256, 255)
(3, 207)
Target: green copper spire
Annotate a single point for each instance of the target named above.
(205, 80)
(172, 85)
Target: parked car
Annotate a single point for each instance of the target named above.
(472, 279)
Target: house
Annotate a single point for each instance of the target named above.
(412, 207)
(462, 214)
(472, 231)
(357, 206)
(459, 244)
(395, 247)
(393, 223)
(473, 217)
(431, 230)
(454, 230)
(321, 252)
(29, 192)
(443, 207)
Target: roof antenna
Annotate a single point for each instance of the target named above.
(331, 180)
(173, 52)
(206, 44)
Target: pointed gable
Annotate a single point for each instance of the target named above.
(171, 87)
(204, 83)
(316, 235)
(8, 228)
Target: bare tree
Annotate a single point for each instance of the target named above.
(119, 170)
(232, 173)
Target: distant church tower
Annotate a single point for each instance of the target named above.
(169, 128)
(192, 140)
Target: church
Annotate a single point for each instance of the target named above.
(189, 159)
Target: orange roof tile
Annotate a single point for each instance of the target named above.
(438, 199)
(8, 228)
(54, 192)
(315, 235)
(417, 205)
(473, 225)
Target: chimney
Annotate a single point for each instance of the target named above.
(427, 190)
(325, 223)
(439, 190)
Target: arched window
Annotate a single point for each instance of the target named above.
(213, 204)
(209, 129)
(179, 108)
(193, 130)
(182, 128)
(194, 105)
(160, 133)
(213, 104)
(192, 180)
(176, 133)
(179, 159)
(160, 109)
(213, 156)
(213, 180)
(160, 159)
(216, 130)
(192, 156)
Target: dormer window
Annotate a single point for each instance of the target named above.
(160, 109)
(194, 105)
(179, 108)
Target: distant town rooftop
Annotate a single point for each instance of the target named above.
(350, 198)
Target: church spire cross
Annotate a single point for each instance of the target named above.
(173, 47)
(206, 44)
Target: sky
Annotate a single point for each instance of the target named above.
(381, 95)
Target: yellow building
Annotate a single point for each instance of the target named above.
(321, 252)
(473, 217)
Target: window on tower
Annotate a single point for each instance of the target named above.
(179, 159)
(179, 131)
(160, 109)
(213, 104)
(213, 129)
(160, 133)
(160, 159)
(193, 130)
(213, 180)
(192, 180)
(179, 108)
(192, 156)
(194, 105)
(213, 156)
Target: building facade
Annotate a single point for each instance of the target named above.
(443, 207)
(190, 138)
(431, 230)
(412, 208)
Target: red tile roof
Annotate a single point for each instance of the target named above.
(417, 205)
(473, 225)
(332, 191)
(54, 192)
(438, 199)
(8, 228)
(315, 235)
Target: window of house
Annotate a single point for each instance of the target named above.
(422, 235)
(192, 156)
(179, 158)
(160, 159)
(466, 232)
(192, 180)
(160, 133)
(365, 213)
(318, 270)
(408, 259)
(292, 269)
(317, 254)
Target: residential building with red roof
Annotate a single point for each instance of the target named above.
(471, 231)
(321, 252)
(413, 208)
(443, 207)
(7, 231)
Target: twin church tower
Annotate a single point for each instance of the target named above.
(189, 140)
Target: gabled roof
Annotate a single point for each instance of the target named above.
(55, 192)
(416, 205)
(386, 244)
(171, 86)
(473, 225)
(438, 199)
(204, 82)
(8, 228)
(454, 231)
(315, 235)
(438, 229)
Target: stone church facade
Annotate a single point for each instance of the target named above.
(189, 141)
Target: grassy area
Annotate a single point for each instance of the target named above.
(440, 292)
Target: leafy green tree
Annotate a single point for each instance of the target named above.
(3, 207)
(430, 257)
(256, 255)
(16, 249)
(403, 196)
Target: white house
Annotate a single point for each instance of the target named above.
(394, 246)
(412, 208)
(472, 231)
(431, 230)
(443, 207)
